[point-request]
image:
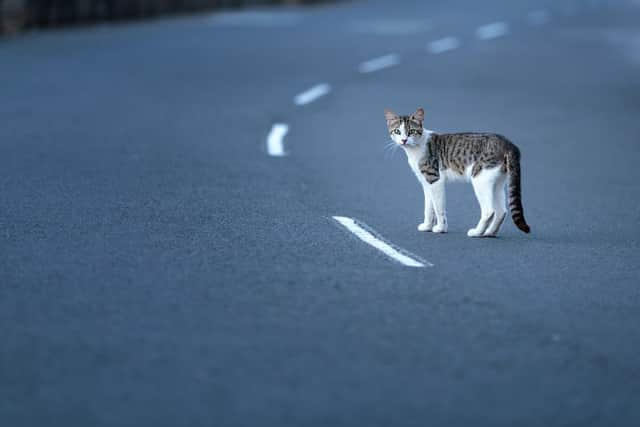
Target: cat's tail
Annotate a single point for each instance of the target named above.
(515, 197)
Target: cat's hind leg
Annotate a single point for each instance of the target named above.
(499, 207)
(483, 186)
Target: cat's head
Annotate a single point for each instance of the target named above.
(405, 130)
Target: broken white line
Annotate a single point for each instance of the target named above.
(312, 94)
(538, 17)
(275, 146)
(379, 63)
(492, 31)
(399, 255)
(444, 44)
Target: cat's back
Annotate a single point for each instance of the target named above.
(471, 139)
(466, 153)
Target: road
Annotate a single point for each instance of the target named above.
(158, 267)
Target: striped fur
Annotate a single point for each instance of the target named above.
(515, 197)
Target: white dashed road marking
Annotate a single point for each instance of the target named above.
(379, 63)
(399, 255)
(256, 19)
(390, 27)
(492, 31)
(538, 17)
(444, 44)
(275, 146)
(312, 94)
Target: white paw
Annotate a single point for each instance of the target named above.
(492, 231)
(474, 233)
(425, 226)
(440, 228)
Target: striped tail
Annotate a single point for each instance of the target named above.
(515, 198)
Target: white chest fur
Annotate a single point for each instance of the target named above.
(414, 155)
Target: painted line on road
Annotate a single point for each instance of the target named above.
(538, 17)
(275, 146)
(397, 254)
(312, 94)
(380, 63)
(256, 19)
(390, 27)
(492, 31)
(443, 45)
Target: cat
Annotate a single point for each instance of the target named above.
(486, 159)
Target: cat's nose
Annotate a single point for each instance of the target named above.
(404, 141)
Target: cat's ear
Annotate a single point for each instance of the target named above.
(418, 115)
(390, 116)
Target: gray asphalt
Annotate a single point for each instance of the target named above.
(158, 268)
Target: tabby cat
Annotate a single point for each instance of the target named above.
(486, 159)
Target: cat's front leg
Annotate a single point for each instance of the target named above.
(433, 185)
(438, 198)
(429, 212)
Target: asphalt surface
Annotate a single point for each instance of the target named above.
(159, 268)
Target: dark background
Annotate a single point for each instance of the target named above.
(17, 15)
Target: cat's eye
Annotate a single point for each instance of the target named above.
(397, 131)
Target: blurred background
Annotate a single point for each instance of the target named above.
(161, 264)
(18, 15)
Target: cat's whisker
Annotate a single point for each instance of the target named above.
(390, 148)
(392, 145)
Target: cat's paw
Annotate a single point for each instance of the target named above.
(425, 226)
(474, 233)
(492, 230)
(440, 228)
